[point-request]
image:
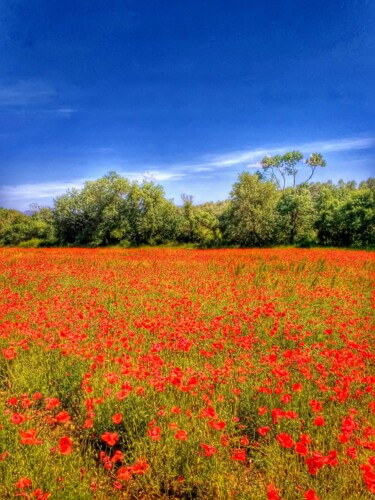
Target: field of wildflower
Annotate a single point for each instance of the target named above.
(175, 373)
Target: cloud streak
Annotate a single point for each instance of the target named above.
(23, 93)
(39, 190)
(251, 158)
(243, 157)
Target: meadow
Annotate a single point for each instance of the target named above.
(176, 373)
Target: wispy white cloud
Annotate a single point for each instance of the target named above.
(235, 157)
(151, 175)
(65, 112)
(37, 98)
(243, 157)
(251, 158)
(341, 144)
(158, 175)
(39, 190)
(25, 92)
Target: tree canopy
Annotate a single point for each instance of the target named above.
(270, 207)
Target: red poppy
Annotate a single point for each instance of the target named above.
(262, 410)
(208, 450)
(154, 433)
(272, 492)
(181, 435)
(140, 467)
(319, 421)
(286, 398)
(51, 403)
(117, 419)
(218, 426)
(297, 387)
(65, 446)
(88, 423)
(301, 449)
(311, 495)
(39, 495)
(224, 440)
(316, 406)
(17, 418)
(118, 456)
(239, 455)
(305, 439)
(263, 431)
(369, 477)
(285, 440)
(351, 452)
(63, 417)
(110, 438)
(9, 353)
(125, 473)
(23, 482)
(244, 441)
(315, 462)
(29, 437)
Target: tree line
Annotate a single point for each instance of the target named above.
(274, 206)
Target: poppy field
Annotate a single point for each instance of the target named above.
(176, 373)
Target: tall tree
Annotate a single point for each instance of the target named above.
(189, 224)
(151, 218)
(251, 215)
(295, 208)
(281, 168)
(296, 216)
(93, 215)
(357, 218)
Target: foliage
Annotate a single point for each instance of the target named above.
(345, 215)
(112, 210)
(251, 215)
(33, 243)
(296, 216)
(16, 227)
(278, 168)
(266, 209)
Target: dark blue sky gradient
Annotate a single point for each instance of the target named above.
(174, 89)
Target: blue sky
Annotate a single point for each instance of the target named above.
(188, 93)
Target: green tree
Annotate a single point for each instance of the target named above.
(357, 218)
(189, 226)
(104, 201)
(296, 217)
(93, 215)
(251, 216)
(208, 217)
(13, 227)
(280, 168)
(295, 208)
(345, 214)
(151, 218)
(328, 202)
(369, 183)
(42, 220)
